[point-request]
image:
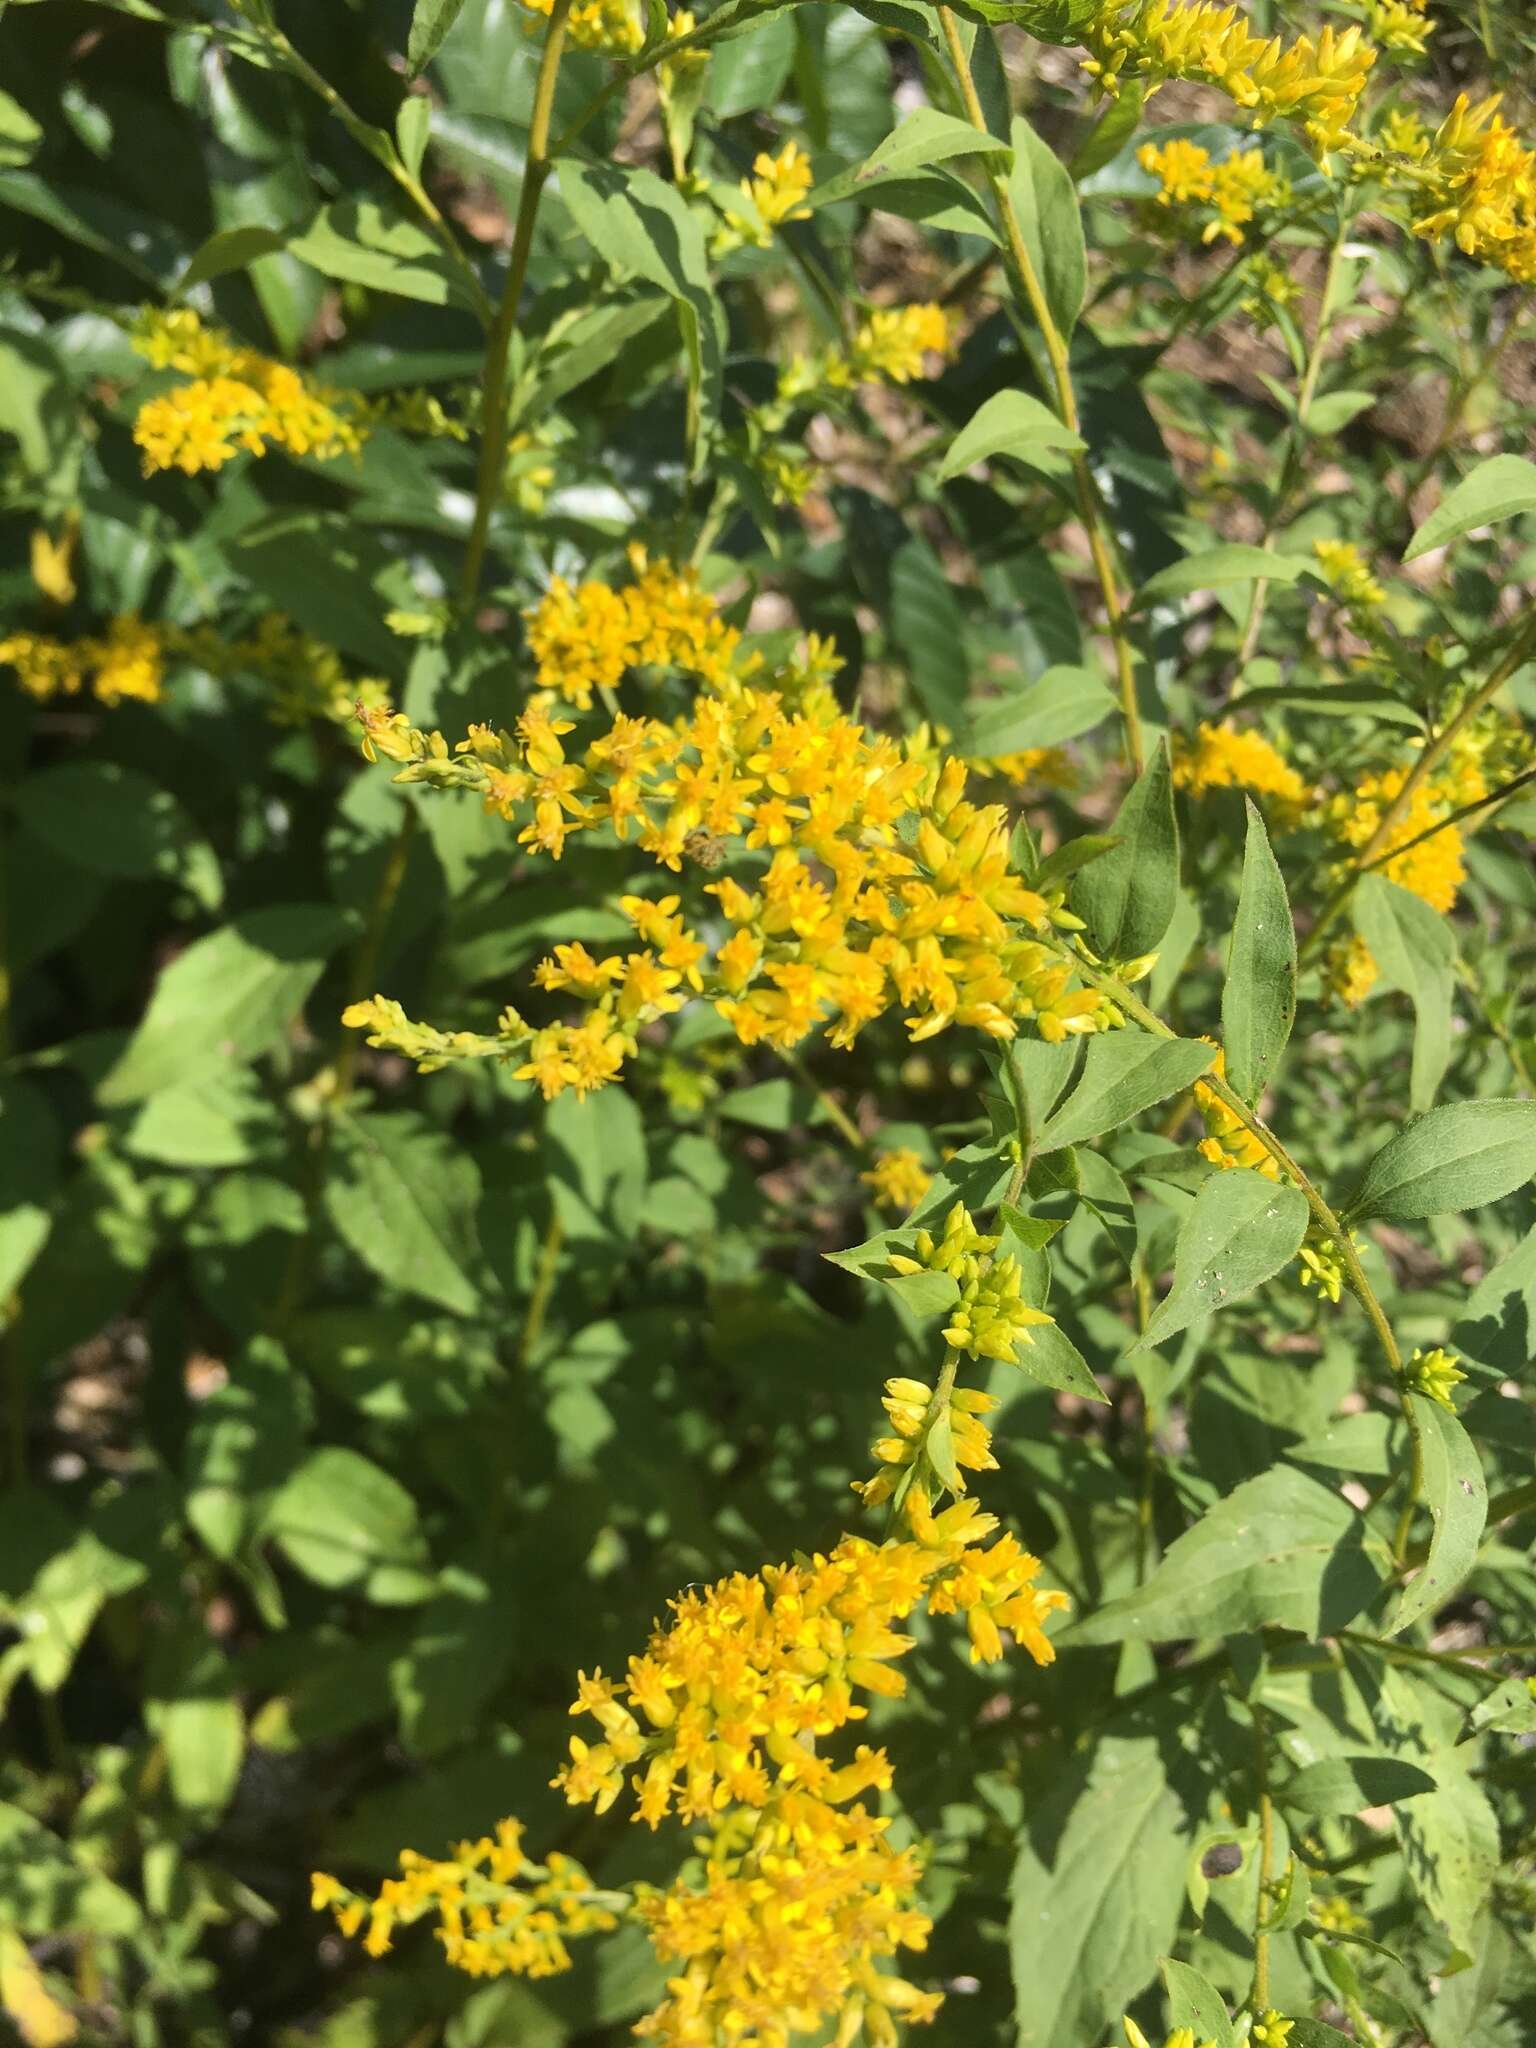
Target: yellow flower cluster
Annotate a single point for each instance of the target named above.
(614, 27)
(1321, 1265)
(1316, 83)
(1400, 25)
(127, 659)
(775, 193)
(1433, 869)
(1181, 2037)
(587, 638)
(306, 677)
(991, 1318)
(1349, 575)
(1223, 758)
(1433, 1374)
(898, 1180)
(1473, 179)
(497, 1912)
(720, 1720)
(1227, 1140)
(1235, 188)
(915, 1413)
(1270, 2030)
(234, 399)
(849, 917)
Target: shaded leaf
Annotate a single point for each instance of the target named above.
(1456, 1494)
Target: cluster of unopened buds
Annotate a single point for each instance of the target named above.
(1433, 1374)
(991, 1318)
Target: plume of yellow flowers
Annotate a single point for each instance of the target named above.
(1349, 575)
(587, 638)
(305, 677)
(898, 1180)
(774, 193)
(1221, 757)
(497, 1911)
(1236, 187)
(1474, 179)
(877, 884)
(234, 398)
(126, 659)
(1316, 83)
(1400, 25)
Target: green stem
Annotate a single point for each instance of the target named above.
(543, 1287)
(365, 961)
(1448, 1660)
(1258, 1998)
(835, 1113)
(493, 422)
(1295, 446)
(697, 38)
(1030, 294)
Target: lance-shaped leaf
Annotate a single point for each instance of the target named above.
(1281, 1551)
(1051, 219)
(1127, 899)
(1499, 488)
(1455, 1157)
(1258, 1001)
(1416, 952)
(1241, 1231)
(1124, 1072)
(1456, 1494)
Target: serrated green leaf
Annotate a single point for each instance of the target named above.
(403, 1197)
(1281, 1551)
(1242, 1230)
(1456, 1157)
(1096, 1896)
(1123, 1073)
(1258, 998)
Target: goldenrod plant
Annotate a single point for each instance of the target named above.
(767, 1024)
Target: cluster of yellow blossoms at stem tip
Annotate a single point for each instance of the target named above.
(867, 880)
(234, 400)
(1236, 188)
(720, 1725)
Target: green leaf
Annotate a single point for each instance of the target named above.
(1510, 1709)
(358, 241)
(1242, 1230)
(403, 1196)
(111, 820)
(1010, 423)
(29, 1147)
(343, 1521)
(925, 1294)
(19, 133)
(924, 138)
(1281, 1551)
(230, 249)
(1349, 1784)
(1415, 950)
(1450, 1841)
(1124, 1072)
(1109, 135)
(461, 1649)
(1061, 705)
(1049, 21)
(36, 405)
(1215, 568)
(227, 999)
(430, 22)
(1307, 2033)
(1456, 1157)
(1193, 2001)
(1456, 1494)
(1501, 488)
(1335, 409)
(413, 130)
(246, 1439)
(1096, 1896)
(1051, 1358)
(1045, 199)
(48, 1891)
(204, 1741)
(1127, 899)
(1258, 998)
(642, 227)
(927, 626)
